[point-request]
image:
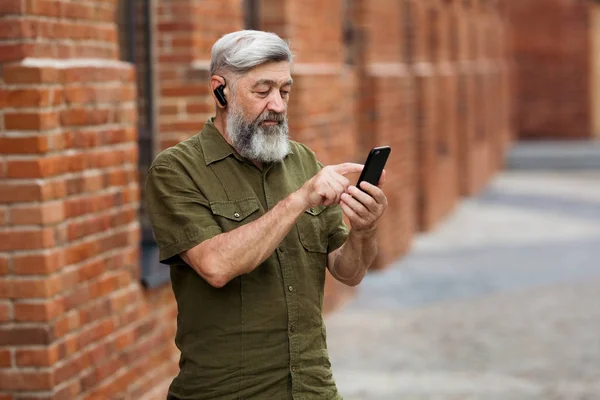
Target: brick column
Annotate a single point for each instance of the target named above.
(466, 103)
(473, 140)
(501, 114)
(385, 109)
(424, 73)
(435, 88)
(486, 145)
(435, 74)
(74, 321)
(447, 124)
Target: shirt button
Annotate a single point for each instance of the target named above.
(291, 288)
(292, 329)
(236, 215)
(293, 369)
(281, 249)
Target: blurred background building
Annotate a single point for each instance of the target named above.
(91, 90)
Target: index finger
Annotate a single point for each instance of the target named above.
(346, 168)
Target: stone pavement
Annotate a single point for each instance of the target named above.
(500, 302)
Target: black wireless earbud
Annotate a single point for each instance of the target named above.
(220, 95)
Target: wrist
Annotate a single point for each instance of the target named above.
(366, 233)
(298, 201)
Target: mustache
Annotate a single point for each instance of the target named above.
(270, 116)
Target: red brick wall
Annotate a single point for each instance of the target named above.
(74, 321)
(552, 50)
(60, 25)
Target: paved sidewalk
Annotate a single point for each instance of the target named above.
(501, 302)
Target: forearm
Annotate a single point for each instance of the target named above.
(230, 254)
(355, 257)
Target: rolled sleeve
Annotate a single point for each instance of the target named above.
(180, 215)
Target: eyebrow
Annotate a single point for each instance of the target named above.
(271, 82)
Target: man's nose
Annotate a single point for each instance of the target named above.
(276, 103)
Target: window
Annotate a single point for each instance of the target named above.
(454, 37)
(349, 32)
(433, 42)
(252, 14)
(409, 32)
(135, 39)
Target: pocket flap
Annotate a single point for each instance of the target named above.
(235, 210)
(311, 230)
(316, 210)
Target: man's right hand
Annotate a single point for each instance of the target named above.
(326, 187)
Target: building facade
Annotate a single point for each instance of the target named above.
(91, 90)
(557, 57)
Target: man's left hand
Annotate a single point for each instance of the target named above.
(363, 209)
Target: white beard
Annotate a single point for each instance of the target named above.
(252, 141)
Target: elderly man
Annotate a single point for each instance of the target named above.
(248, 220)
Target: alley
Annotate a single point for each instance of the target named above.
(500, 302)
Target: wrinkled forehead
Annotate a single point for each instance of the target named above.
(276, 74)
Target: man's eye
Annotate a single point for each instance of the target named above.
(263, 93)
(285, 93)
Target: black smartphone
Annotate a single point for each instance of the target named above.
(374, 165)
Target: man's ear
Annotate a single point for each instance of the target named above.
(218, 88)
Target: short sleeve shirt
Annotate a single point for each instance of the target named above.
(262, 335)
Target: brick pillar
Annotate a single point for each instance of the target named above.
(501, 59)
(465, 113)
(186, 31)
(74, 321)
(321, 113)
(425, 76)
(446, 150)
(473, 148)
(483, 156)
(385, 110)
(435, 75)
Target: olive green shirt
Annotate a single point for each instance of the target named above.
(262, 335)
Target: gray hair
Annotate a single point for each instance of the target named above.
(239, 52)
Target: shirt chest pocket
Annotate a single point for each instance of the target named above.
(312, 231)
(231, 214)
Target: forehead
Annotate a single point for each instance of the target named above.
(277, 72)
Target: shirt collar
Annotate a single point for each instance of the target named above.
(215, 147)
